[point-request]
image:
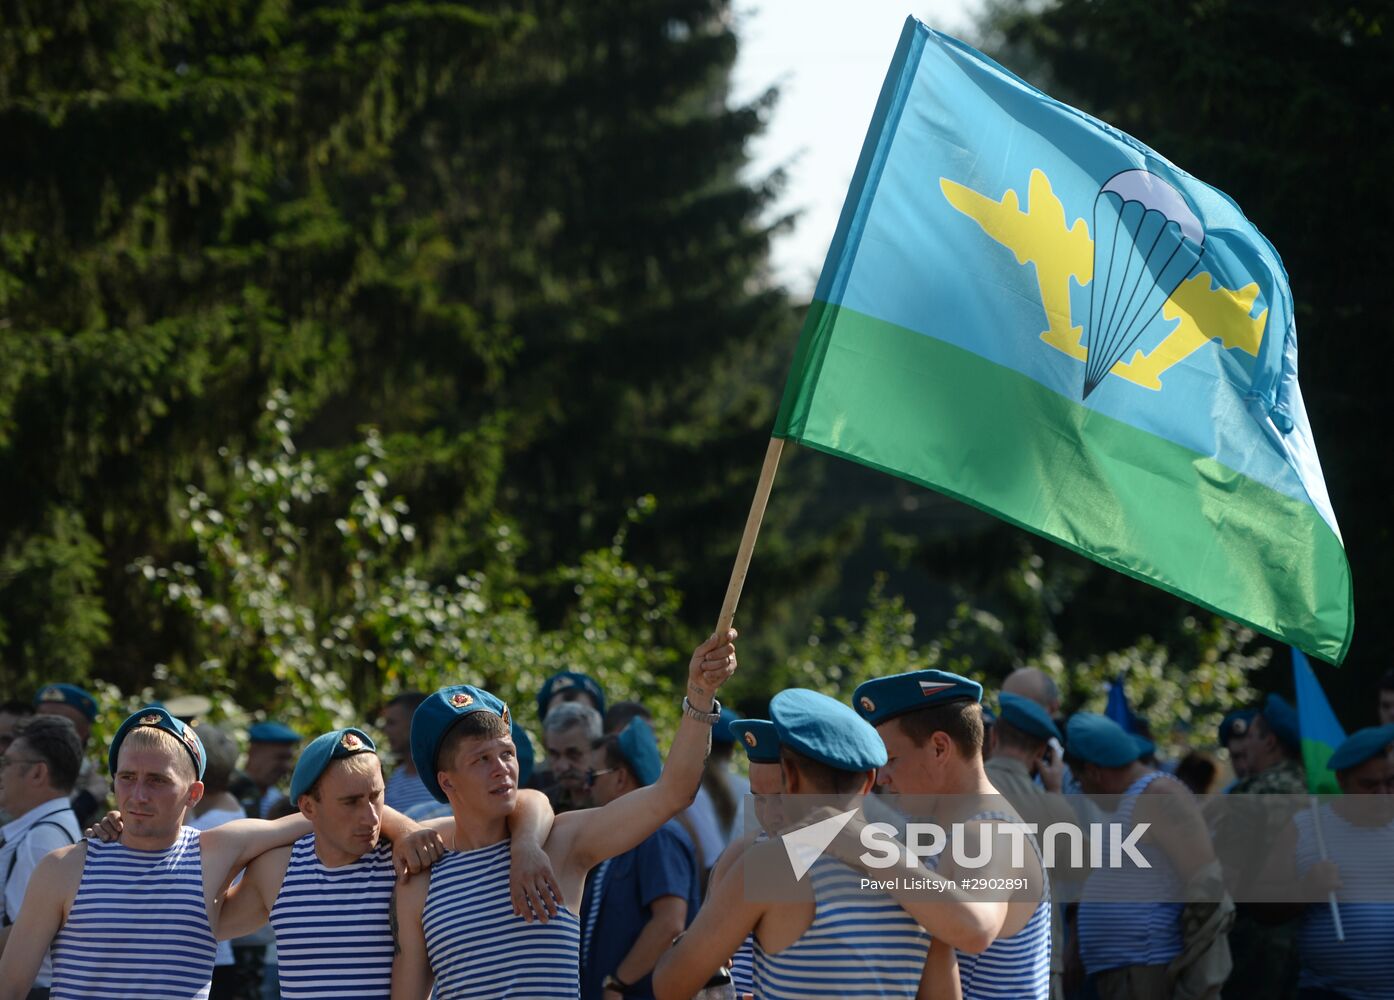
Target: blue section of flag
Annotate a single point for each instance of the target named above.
(1315, 719)
(904, 254)
(1118, 709)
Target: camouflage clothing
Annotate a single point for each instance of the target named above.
(1287, 778)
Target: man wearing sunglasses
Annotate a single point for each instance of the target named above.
(636, 903)
(37, 773)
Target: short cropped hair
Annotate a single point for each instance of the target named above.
(570, 714)
(149, 737)
(474, 726)
(358, 763)
(54, 738)
(825, 779)
(961, 721)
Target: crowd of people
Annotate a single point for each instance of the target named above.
(457, 859)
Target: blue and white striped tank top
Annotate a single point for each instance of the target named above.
(1361, 967)
(333, 925)
(1114, 931)
(1016, 967)
(860, 944)
(138, 926)
(479, 949)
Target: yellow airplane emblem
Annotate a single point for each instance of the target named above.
(1039, 236)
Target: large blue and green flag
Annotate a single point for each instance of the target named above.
(1029, 310)
(1320, 730)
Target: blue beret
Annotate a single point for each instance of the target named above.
(1024, 714)
(527, 757)
(323, 749)
(825, 730)
(154, 715)
(272, 732)
(1099, 740)
(68, 694)
(566, 680)
(1282, 719)
(1364, 745)
(759, 739)
(721, 732)
(1145, 747)
(639, 749)
(886, 697)
(1236, 724)
(433, 719)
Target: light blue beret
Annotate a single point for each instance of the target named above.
(1236, 724)
(639, 748)
(1364, 745)
(1024, 714)
(1282, 719)
(887, 697)
(758, 738)
(68, 694)
(323, 749)
(1099, 740)
(433, 719)
(272, 732)
(825, 730)
(157, 717)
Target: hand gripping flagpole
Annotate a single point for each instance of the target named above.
(752, 529)
(1321, 849)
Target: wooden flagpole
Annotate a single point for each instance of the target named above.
(752, 529)
(1321, 850)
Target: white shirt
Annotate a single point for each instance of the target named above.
(44, 828)
(210, 819)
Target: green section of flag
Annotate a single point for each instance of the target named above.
(1320, 780)
(924, 410)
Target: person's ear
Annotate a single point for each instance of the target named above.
(195, 793)
(792, 778)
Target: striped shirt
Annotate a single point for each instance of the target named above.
(333, 928)
(1114, 930)
(405, 791)
(860, 944)
(1362, 966)
(743, 966)
(1015, 967)
(477, 947)
(594, 892)
(138, 926)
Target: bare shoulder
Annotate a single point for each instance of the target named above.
(60, 871)
(67, 859)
